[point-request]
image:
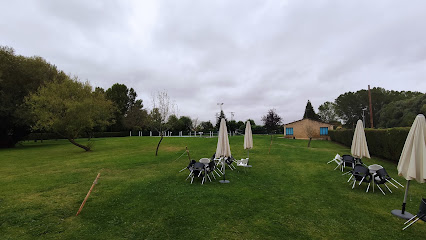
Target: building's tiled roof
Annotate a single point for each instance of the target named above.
(308, 119)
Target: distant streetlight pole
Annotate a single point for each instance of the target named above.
(232, 115)
(220, 104)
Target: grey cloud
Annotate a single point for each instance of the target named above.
(250, 55)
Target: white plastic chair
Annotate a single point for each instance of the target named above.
(242, 163)
(337, 159)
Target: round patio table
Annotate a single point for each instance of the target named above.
(204, 160)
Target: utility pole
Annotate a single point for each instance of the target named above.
(371, 107)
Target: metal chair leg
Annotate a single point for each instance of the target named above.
(362, 179)
(411, 223)
(338, 165)
(398, 182)
(387, 187)
(391, 183)
(409, 220)
(381, 189)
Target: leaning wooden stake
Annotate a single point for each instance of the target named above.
(187, 151)
(87, 196)
(270, 146)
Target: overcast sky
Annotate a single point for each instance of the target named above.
(250, 55)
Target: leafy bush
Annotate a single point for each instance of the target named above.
(385, 143)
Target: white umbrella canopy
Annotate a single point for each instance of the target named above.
(412, 163)
(248, 137)
(359, 146)
(223, 149)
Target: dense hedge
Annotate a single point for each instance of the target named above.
(384, 143)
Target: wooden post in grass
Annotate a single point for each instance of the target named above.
(87, 196)
(187, 151)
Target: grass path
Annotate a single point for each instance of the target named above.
(290, 193)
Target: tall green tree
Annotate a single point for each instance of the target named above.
(310, 112)
(69, 108)
(349, 106)
(136, 118)
(185, 123)
(173, 123)
(20, 76)
(124, 99)
(402, 113)
(206, 126)
(272, 121)
(233, 125)
(327, 112)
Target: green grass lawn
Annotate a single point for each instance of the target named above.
(290, 193)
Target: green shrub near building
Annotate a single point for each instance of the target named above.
(384, 143)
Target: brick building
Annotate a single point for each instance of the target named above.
(304, 128)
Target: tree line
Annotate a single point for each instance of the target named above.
(36, 96)
(390, 108)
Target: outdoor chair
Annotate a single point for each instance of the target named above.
(382, 177)
(420, 215)
(190, 167)
(362, 174)
(229, 161)
(198, 171)
(347, 161)
(242, 163)
(211, 168)
(191, 163)
(337, 159)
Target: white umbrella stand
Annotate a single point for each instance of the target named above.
(412, 163)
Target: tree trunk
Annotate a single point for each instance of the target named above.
(270, 145)
(309, 143)
(158, 146)
(79, 145)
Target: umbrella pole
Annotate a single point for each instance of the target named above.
(248, 153)
(402, 213)
(405, 197)
(223, 167)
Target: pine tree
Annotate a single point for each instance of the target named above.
(219, 118)
(310, 112)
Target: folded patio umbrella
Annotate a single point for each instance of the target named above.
(248, 138)
(412, 163)
(223, 150)
(359, 146)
